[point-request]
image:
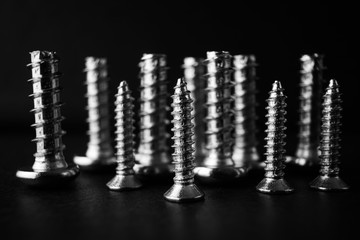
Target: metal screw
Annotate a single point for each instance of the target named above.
(194, 78)
(245, 154)
(153, 156)
(125, 175)
(275, 152)
(329, 179)
(311, 86)
(218, 163)
(99, 154)
(50, 167)
(184, 188)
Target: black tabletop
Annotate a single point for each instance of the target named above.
(88, 210)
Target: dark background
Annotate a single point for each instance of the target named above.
(278, 34)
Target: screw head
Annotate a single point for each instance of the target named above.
(123, 182)
(184, 193)
(274, 186)
(96, 165)
(51, 178)
(328, 183)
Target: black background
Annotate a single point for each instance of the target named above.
(278, 34)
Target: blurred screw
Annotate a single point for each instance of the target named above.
(328, 179)
(50, 167)
(153, 156)
(125, 175)
(194, 78)
(245, 154)
(275, 152)
(99, 154)
(184, 188)
(218, 163)
(311, 86)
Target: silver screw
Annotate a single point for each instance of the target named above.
(125, 175)
(218, 163)
(50, 167)
(153, 156)
(184, 188)
(311, 85)
(245, 154)
(329, 179)
(194, 78)
(99, 154)
(275, 152)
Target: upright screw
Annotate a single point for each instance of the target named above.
(184, 188)
(153, 156)
(329, 179)
(99, 154)
(194, 78)
(311, 85)
(218, 163)
(245, 154)
(50, 167)
(125, 175)
(275, 152)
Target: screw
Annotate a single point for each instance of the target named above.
(329, 179)
(99, 154)
(275, 152)
(184, 188)
(50, 167)
(245, 154)
(218, 163)
(153, 156)
(311, 85)
(194, 78)
(125, 175)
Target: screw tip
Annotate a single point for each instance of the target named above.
(333, 83)
(276, 85)
(123, 86)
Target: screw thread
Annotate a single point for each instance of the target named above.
(310, 104)
(98, 113)
(153, 110)
(194, 78)
(46, 96)
(124, 130)
(183, 131)
(275, 152)
(218, 104)
(330, 131)
(244, 107)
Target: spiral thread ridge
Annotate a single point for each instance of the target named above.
(244, 107)
(311, 84)
(183, 132)
(124, 130)
(330, 131)
(153, 109)
(275, 139)
(219, 114)
(194, 78)
(99, 145)
(46, 96)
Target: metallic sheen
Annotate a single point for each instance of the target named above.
(329, 179)
(184, 188)
(125, 175)
(275, 153)
(50, 167)
(153, 157)
(99, 155)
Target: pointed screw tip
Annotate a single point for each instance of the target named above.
(277, 85)
(333, 83)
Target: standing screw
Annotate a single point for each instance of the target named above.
(193, 74)
(50, 167)
(329, 179)
(184, 188)
(275, 152)
(310, 110)
(99, 155)
(245, 154)
(218, 163)
(153, 155)
(125, 175)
